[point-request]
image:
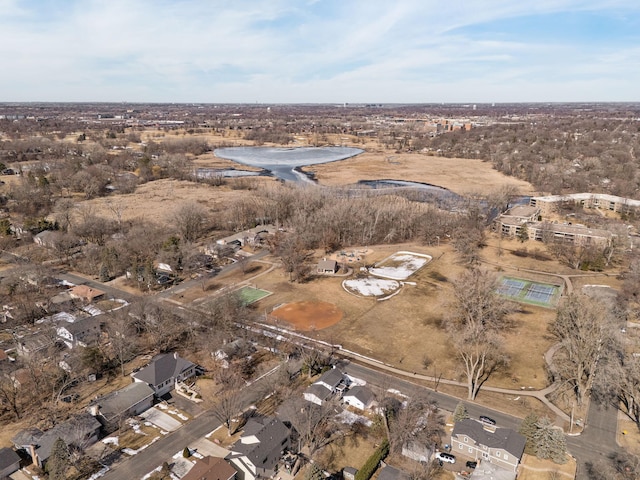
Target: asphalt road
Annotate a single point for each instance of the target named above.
(108, 289)
(596, 441)
(187, 284)
(150, 458)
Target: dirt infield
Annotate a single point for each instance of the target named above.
(308, 316)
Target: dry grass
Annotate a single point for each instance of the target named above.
(463, 176)
(352, 451)
(628, 435)
(158, 201)
(221, 437)
(406, 329)
(134, 440)
(533, 468)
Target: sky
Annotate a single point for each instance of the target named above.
(320, 51)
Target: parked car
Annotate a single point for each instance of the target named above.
(445, 457)
(472, 464)
(487, 421)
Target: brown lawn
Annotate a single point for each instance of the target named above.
(533, 468)
(406, 329)
(460, 175)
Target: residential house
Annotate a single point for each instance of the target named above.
(211, 468)
(359, 397)
(164, 372)
(85, 292)
(258, 451)
(39, 342)
(329, 383)
(503, 447)
(327, 267)
(46, 238)
(9, 462)
(83, 332)
(113, 408)
(81, 431)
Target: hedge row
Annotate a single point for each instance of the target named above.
(371, 465)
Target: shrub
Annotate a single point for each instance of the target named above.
(371, 465)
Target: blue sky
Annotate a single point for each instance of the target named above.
(325, 51)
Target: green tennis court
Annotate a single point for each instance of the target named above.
(249, 295)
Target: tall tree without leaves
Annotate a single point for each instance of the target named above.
(477, 319)
(584, 328)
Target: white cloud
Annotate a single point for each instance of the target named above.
(290, 51)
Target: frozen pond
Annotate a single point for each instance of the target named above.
(282, 161)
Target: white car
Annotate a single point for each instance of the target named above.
(445, 457)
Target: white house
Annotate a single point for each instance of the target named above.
(359, 397)
(329, 383)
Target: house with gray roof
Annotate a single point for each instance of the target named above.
(327, 267)
(259, 450)
(500, 446)
(359, 397)
(329, 383)
(81, 332)
(164, 372)
(80, 431)
(113, 408)
(9, 462)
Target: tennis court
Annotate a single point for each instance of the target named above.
(249, 295)
(527, 291)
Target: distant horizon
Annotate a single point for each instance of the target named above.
(332, 104)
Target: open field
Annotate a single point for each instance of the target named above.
(158, 201)
(406, 330)
(463, 176)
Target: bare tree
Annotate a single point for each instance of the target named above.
(314, 424)
(190, 221)
(417, 424)
(477, 318)
(584, 328)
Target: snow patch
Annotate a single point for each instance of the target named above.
(370, 286)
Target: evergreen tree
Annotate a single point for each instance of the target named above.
(313, 473)
(550, 442)
(59, 461)
(460, 412)
(529, 429)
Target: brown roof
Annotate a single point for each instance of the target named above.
(85, 292)
(210, 468)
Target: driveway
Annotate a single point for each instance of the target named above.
(160, 419)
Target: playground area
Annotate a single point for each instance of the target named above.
(351, 256)
(307, 316)
(527, 291)
(249, 295)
